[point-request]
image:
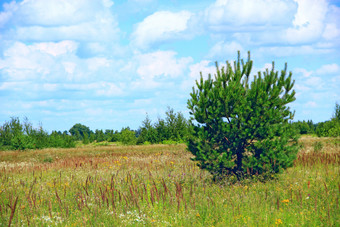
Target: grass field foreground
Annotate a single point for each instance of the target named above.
(158, 185)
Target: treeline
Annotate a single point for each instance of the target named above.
(18, 135)
(330, 128)
(173, 129)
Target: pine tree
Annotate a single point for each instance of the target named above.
(242, 125)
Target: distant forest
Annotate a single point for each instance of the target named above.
(174, 129)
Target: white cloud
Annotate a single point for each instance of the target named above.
(308, 23)
(36, 61)
(56, 20)
(332, 28)
(97, 30)
(336, 83)
(244, 15)
(69, 67)
(56, 49)
(7, 14)
(97, 62)
(225, 50)
(203, 67)
(328, 69)
(161, 63)
(100, 88)
(107, 3)
(50, 87)
(287, 51)
(301, 89)
(310, 104)
(53, 62)
(304, 72)
(160, 26)
(13, 86)
(331, 32)
(285, 22)
(145, 84)
(108, 89)
(315, 82)
(59, 12)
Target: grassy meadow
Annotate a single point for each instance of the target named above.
(158, 185)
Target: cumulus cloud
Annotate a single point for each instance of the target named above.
(159, 27)
(331, 32)
(237, 15)
(36, 61)
(328, 69)
(41, 70)
(222, 50)
(332, 28)
(288, 28)
(286, 51)
(56, 20)
(308, 23)
(56, 49)
(7, 14)
(205, 67)
(161, 63)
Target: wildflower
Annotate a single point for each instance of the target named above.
(198, 215)
(286, 201)
(153, 220)
(278, 221)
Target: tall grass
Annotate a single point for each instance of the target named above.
(158, 185)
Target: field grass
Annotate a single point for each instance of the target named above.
(158, 185)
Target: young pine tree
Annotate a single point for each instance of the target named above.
(242, 124)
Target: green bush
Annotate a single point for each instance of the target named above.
(169, 142)
(128, 137)
(330, 128)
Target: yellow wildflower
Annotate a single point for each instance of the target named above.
(278, 221)
(286, 201)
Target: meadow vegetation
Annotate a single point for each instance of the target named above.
(159, 185)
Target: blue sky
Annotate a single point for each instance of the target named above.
(107, 63)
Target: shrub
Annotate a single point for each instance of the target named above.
(242, 128)
(128, 137)
(330, 128)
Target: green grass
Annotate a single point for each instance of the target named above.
(158, 185)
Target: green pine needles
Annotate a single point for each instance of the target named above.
(242, 124)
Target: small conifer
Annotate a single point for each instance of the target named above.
(241, 123)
